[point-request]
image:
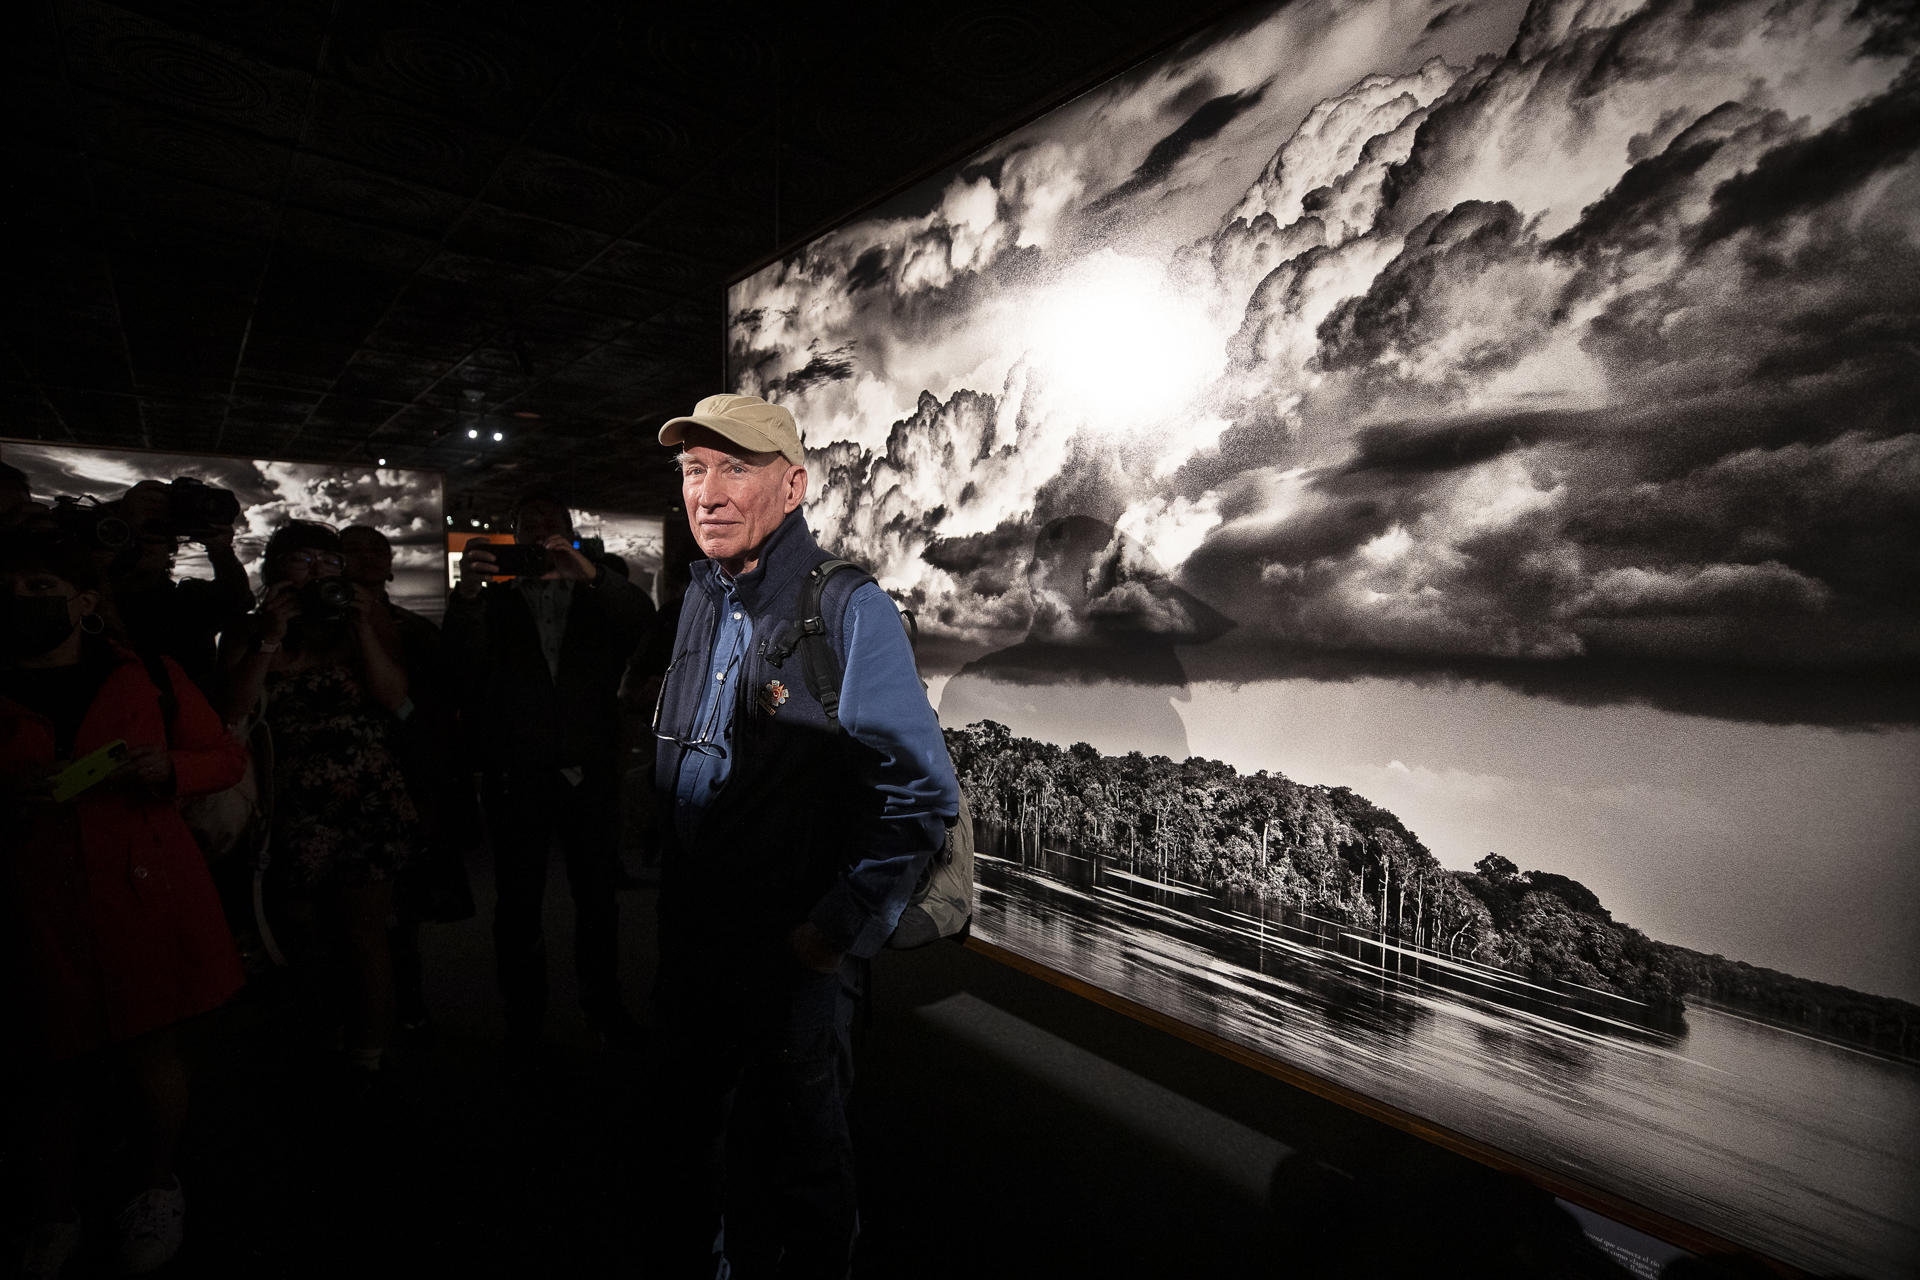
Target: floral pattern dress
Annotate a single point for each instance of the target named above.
(342, 816)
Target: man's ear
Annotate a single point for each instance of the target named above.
(796, 487)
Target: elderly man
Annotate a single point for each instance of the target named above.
(792, 843)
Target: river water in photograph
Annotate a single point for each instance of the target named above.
(1802, 1149)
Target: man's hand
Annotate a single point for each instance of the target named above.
(813, 949)
(476, 566)
(568, 563)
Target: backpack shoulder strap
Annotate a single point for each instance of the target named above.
(819, 664)
(163, 685)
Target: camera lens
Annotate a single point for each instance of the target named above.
(326, 599)
(112, 531)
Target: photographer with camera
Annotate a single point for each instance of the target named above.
(162, 617)
(434, 886)
(540, 659)
(324, 656)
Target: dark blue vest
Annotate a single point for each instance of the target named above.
(780, 829)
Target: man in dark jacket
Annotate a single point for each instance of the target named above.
(793, 835)
(539, 659)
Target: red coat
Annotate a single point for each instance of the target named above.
(109, 923)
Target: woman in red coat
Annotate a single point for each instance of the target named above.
(110, 929)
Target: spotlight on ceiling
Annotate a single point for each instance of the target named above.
(473, 433)
(499, 435)
(379, 462)
(474, 523)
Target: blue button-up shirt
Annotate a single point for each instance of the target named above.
(704, 770)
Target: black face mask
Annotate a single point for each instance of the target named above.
(33, 625)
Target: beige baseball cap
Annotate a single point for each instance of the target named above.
(748, 421)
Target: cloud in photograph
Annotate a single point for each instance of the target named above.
(1588, 355)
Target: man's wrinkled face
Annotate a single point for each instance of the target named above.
(734, 498)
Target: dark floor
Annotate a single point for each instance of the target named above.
(1005, 1128)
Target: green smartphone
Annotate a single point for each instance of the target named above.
(88, 770)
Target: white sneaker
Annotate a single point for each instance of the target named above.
(150, 1228)
(49, 1249)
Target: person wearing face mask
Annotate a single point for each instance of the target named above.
(110, 930)
(323, 655)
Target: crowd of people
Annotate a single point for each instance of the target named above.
(354, 753)
(321, 718)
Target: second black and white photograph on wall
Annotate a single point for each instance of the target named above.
(1411, 510)
(404, 505)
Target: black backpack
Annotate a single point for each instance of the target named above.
(942, 902)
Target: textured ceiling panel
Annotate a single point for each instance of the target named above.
(561, 189)
(401, 140)
(506, 281)
(145, 60)
(347, 240)
(170, 143)
(462, 69)
(605, 120)
(288, 33)
(335, 186)
(489, 231)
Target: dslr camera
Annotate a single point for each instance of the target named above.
(194, 504)
(90, 521)
(326, 600)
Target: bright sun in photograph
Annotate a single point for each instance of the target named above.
(1115, 339)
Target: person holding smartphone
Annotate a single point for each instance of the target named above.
(111, 933)
(538, 660)
(323, 654)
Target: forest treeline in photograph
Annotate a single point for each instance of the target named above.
(1330, 853)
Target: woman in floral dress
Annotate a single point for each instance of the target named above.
(326, 660)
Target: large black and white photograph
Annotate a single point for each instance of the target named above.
(405, 505)
(1412, 512)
